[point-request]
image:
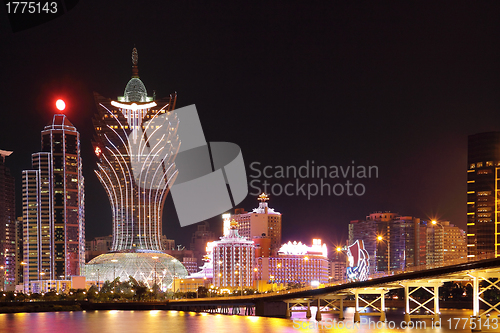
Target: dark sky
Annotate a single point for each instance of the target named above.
(397, 85)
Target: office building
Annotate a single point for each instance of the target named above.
(7, 226)
(53, 205)
(483, 160)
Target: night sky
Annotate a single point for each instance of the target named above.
(398, 85)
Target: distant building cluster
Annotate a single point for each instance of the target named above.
(396, 242)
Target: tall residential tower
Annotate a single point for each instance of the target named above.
(53, 205)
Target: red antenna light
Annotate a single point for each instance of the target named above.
(60, 105)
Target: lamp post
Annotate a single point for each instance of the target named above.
(380, 239)
(434, 222)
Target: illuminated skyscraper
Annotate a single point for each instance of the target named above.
(136, 143)
(483, 232)
(135, 164)
(53, 205)
(7, 226)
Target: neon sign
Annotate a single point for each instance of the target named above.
(358, 262)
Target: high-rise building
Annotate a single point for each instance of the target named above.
(390, 239)
(136, 143)
(233, 260)
(483, 160)
(7, 226)
(262, 221)
(136, 183)
(53, 205)
(446, 244)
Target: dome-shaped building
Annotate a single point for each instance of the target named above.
(142, 265)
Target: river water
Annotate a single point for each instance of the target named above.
(178, 321)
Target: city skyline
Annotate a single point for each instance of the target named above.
(405, 103)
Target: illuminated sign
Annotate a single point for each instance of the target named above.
(358, 262)
(302, 249)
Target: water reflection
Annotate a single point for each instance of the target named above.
(116, 321)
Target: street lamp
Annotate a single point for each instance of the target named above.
(434, 222)
(381, 239)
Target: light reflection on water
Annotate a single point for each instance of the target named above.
(179, 321)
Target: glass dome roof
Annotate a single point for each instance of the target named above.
(140, 265)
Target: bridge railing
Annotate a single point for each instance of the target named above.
(452, 262)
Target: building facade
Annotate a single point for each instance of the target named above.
(233, 260)
(393, 242)
(262, 221)
(7, 226)
(483, 160)
(296, 263)
(53, 205)
(446, 244)
(135, 143)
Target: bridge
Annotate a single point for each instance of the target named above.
(483, 275)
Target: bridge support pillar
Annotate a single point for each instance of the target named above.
(333, 303)
(298, 302)
(432, 288)
(477, 294)
(358, 311)
(318, 313)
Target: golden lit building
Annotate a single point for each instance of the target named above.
(295, 263)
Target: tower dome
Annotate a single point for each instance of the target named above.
(135, 91)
